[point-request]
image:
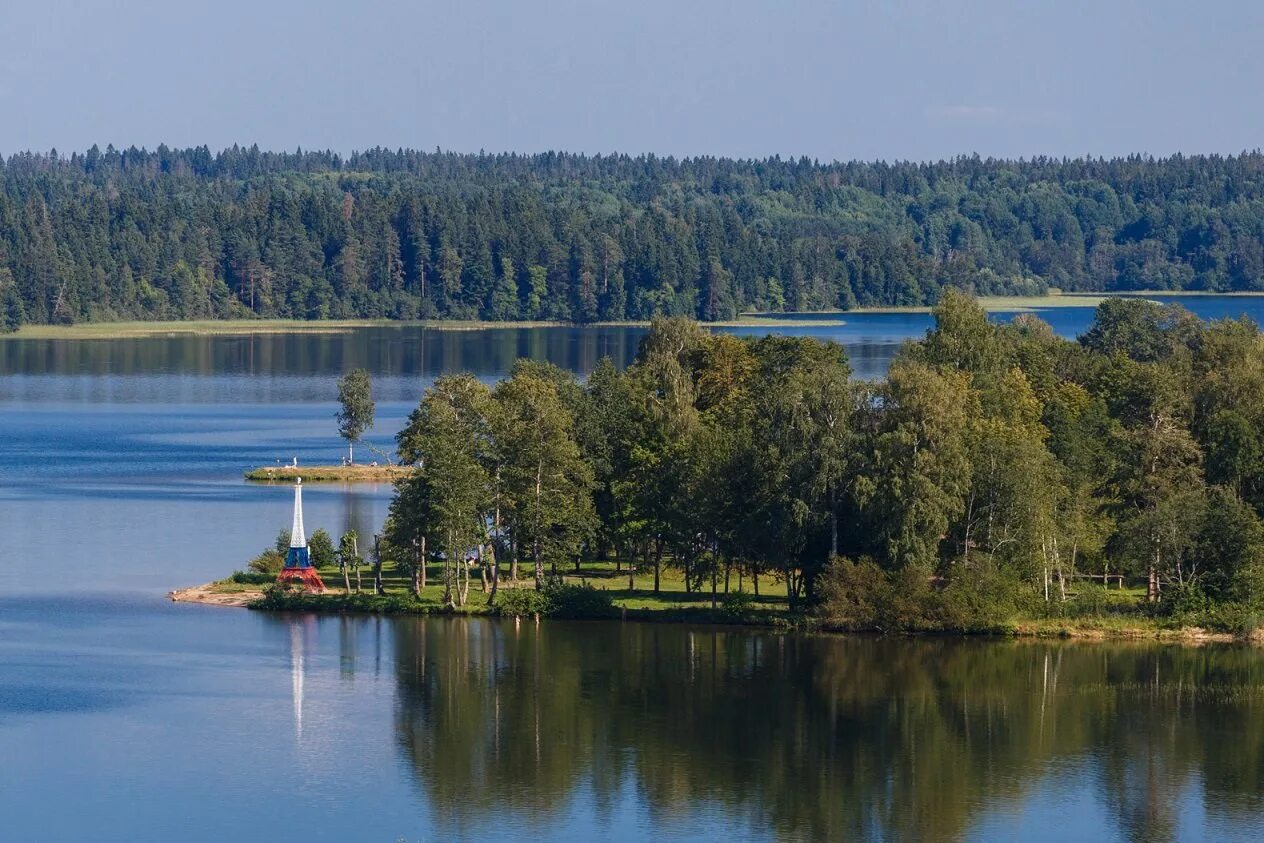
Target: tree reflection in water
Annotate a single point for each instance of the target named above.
(855, 738)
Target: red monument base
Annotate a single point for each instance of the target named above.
(307, 577)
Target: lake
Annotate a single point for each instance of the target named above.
(126, 717)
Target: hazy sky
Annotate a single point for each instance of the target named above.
(832, 80)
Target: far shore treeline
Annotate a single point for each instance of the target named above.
(182, 234)
(998, 471)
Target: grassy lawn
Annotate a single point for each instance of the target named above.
(1119, 613)
(672, 594)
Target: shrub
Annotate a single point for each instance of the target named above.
(1091, 600)
(1238, 618)
(281, 595)
(1184, 603)
(519, 602)
(321, 549)
(862, 596)
(268, 562)
(568, 600)
(856, 595)
(251, 578)
(978, 599)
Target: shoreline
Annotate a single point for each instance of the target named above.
(206, 595)
(753, 319)
(280, 327)
(1030, 630)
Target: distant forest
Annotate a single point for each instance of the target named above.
(189, 234)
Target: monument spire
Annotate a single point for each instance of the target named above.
(297, 537)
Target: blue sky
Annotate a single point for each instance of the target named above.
(831, 80)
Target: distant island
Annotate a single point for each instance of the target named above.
(346, 473)
(187, 234)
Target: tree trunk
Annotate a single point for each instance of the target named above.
(355, 547)
(448, 574)
(1044, 566)
(658, 562)
(346, 575)
(969, 522)
(539, 564)
(495, 568)
(1057, 561)
(755, 580)
(715, 575)
(833, 524)
(421, 561)
(465, 580)
(535, 539)
(377, 566)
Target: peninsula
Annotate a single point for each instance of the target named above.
(1000, 479)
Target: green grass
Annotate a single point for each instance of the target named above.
(672, 601)
(227, 586)
(1121, 613)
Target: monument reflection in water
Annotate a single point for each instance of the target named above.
(665, 729)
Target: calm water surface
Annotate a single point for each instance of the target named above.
(124, 717)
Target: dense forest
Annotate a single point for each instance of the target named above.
(188, 234)
(998, 471)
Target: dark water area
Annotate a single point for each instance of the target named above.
(126, 717)
(269, 368)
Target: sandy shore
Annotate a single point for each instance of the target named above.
(206, 594)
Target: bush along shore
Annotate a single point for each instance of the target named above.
(1000, 479)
